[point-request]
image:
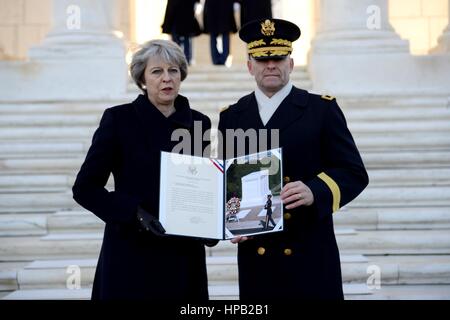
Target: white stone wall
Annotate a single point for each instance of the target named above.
(419, 21)
(24, 23)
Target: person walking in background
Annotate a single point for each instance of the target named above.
(181, 24)
(255, 9)
(268, 207)
(218, 21)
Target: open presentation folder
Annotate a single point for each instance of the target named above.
(210, 198)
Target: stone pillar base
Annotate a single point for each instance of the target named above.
(376, 74)
(96, 78)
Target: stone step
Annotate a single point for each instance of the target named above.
(403, 197)
(371, 197)
(47, 120)
(14, 141)
(82, 221)
(399, 126)
(406, 269)
(55, 149)
(58, 182)
(377, 107)
(35, 183)
(406, 159)
(403, 141)
(216, 292)
(60, 160)
(421, 114)
(406, 118)
(46, 274)
(25, 183)
(15, 127)
(348, 218)
(87, 245)
(45, 164)
(410, 177)
(394, 102)
(393, 218)
(74, 221)
(406, 292)
(396, 242)
(36, 202)
(8, 275)
(24, 224)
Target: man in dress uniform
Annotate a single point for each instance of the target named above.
(322, 168)
(268, 207)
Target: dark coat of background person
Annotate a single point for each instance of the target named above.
(180, 18)
(303, 259)
(134, 265)
(255, 9)
(218, 17)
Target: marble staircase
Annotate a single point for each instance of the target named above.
(399, 224)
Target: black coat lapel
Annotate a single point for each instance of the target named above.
(247, 116)
(155, 127)
(292, 108)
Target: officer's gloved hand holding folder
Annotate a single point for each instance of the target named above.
(215, 199)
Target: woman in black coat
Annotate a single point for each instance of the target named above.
(181, 24)
(218, 20)
(137, 260)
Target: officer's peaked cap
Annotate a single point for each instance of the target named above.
(269, 38)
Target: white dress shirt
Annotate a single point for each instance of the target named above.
(267, 106)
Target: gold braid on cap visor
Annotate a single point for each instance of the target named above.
(275, 51)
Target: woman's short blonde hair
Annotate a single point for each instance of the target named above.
(166, 50)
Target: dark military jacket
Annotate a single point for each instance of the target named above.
(318, 149)
(133, 265)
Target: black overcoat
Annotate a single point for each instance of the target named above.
(318, 149)
(133, 265)
(255, 9)
(180, 18)
(218, 17)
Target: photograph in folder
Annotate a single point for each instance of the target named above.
(210, 198)
(253, 186)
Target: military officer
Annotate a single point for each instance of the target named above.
(321, 163)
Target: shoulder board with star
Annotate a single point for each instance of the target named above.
(327, 97)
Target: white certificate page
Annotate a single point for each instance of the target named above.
(191, 196)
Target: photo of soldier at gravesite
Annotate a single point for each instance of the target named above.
(252, 203)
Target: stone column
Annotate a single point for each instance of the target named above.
(444, 40)
(357, 52)
(82, 28)
(361, 26)
(81, 58)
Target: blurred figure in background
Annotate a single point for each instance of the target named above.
(181, 24)
(255, 9)
(218, 20)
